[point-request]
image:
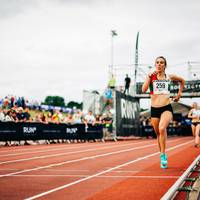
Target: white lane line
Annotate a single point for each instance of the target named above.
(32, 152)
(51, 148)
(8, 169)
(103, 172)
(61, 154)
(77, 160)
(114, 171)
(46, 150)
(86, 170)
(82, 175)
(68, 148)
(44, 147)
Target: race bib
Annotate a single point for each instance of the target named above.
(161, 87)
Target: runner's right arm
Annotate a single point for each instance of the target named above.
(147, 82)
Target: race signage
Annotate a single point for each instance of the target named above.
(127, 115)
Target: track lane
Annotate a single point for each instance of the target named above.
(103, 163)
(84, 157)
(56, 152)
(151, 189)
(60, 160)
(51, 195)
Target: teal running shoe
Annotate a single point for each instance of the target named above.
(163, 160)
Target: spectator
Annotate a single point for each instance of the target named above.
(37, 117)
(89, 120)
(15, 107)
(43, 118)
(49, 117)
(9, 117)
(6, 103)
(108, 127)
(127, 84)
(60, 116)
(69, 119)
(112, 82)
(98, 121)
(78, 117)
(27, 115)
(13, 113)
(57, 117)
(23, 102)
(2, 115)
(12, 100)
(108, 94)
(20, 115)
(19, 102)
(108, 98)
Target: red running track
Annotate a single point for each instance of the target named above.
(111, 170)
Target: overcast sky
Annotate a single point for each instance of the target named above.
(61, 47)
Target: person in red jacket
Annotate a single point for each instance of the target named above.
(161, 110)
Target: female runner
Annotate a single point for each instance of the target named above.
(161, 110)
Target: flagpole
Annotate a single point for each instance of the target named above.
(136, 62)
(112, 58)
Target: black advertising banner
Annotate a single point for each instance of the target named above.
(127, 115)
(190, 87)
(11, 131)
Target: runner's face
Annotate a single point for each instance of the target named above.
(160, 65)
(194, 105)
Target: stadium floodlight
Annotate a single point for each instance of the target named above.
(113, 34)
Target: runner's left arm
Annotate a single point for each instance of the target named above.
(182, 83)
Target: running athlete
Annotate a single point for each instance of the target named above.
(161, 110)
(194, 114)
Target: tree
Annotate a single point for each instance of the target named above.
(73, 104)
(54, 101)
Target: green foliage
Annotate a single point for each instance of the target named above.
(59, 101)
(54, 101)
(73, 104)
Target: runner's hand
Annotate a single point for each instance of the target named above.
(151, 74)
(176, 98)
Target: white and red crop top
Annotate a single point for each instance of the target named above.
(159, 86)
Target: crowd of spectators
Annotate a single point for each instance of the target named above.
(14, 109)
(20, 114)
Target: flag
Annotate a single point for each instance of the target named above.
(114, 33)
